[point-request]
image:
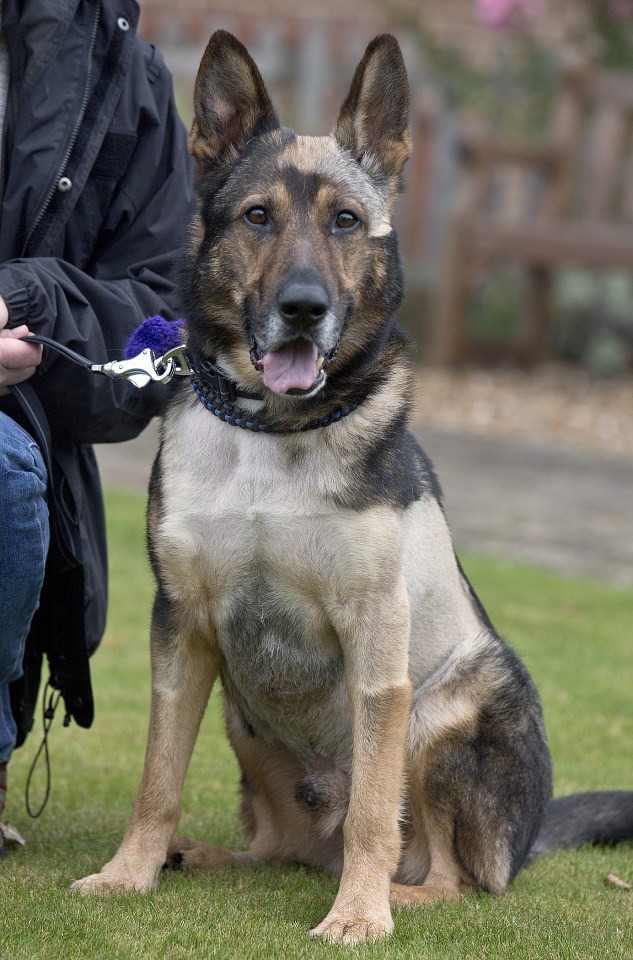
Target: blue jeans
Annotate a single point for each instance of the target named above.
(24, 538)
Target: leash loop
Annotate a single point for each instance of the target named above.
(48, 715)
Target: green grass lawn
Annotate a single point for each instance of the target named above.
(574, 636)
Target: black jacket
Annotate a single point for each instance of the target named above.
(96, 195)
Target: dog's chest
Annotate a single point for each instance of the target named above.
(249, 546)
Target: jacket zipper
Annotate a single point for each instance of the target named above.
(75, 131)
(7, 108)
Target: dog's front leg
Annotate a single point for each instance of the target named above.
(375, 641)
(183, 671)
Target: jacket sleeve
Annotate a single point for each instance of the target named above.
(132, 274)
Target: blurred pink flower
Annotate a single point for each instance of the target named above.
(497, 13)
(620, 8)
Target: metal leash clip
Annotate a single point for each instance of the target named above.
(146, 367)
(139, 370)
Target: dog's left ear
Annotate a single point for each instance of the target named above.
(373, 122)
(231, 103)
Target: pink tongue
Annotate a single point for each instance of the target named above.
(292, 367)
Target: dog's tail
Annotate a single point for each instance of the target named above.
(603, 817)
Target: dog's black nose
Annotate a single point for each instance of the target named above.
(303, 303)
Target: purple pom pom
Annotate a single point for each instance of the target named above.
(158, 334)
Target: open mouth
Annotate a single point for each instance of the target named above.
(295, 369)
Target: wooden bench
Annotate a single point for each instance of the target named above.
(567, 202)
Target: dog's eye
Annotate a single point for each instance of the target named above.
(346, 220)
(257, 216)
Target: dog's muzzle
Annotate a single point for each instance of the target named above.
(294, 350)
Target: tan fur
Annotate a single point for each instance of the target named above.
(204, 548)
(352, 654)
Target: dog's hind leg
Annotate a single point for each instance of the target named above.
(186, 854)
(183, 671)
(288, 812)
(479, 777)
(444, 876)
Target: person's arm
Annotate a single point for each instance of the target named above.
(94, 310)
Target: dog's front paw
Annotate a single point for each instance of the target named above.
(107, 883)
(339, 928)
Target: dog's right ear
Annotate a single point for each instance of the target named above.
(230, 101)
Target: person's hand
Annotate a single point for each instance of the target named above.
(18, 361)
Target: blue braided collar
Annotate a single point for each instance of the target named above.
(225, 410)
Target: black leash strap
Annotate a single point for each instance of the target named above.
(60, 348)
(63, 562)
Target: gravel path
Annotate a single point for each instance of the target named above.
(555, 404)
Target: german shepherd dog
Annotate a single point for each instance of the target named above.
(384, 731)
